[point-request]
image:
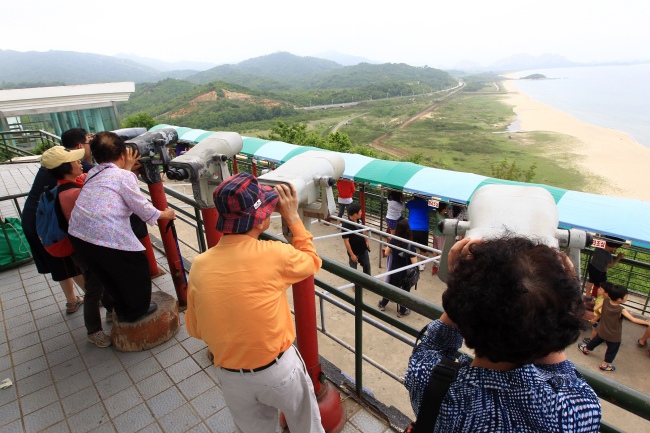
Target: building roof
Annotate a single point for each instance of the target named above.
(16, 102)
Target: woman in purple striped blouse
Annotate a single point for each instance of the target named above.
(101, 232)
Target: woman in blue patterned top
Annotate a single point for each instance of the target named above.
(518, 305)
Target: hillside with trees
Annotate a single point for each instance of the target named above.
(70, 67)
(279, 67)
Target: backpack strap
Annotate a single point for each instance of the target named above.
(63, 222)
(441, 378)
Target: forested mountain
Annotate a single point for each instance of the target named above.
(213, 105)
(161, 65)
(280, 67)
(287, 72)
(70, 67)
(366, 74)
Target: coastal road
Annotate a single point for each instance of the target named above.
(346, 121)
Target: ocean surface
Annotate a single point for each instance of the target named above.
(616, 97)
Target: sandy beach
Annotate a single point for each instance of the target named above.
(623, 163)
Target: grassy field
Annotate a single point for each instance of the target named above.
(465, 133)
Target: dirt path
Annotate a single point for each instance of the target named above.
(378, 143)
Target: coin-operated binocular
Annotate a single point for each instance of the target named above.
(312, 173)
(527, 211)
(129, 133)
(152, 147)
(205, 165)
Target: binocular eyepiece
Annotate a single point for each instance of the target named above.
(178, 174)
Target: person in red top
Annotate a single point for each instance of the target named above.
(65, 166)
(237, 304)
(346, 191)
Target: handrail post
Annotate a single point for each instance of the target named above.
(358, 340)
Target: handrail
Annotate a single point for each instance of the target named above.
(620, 395)
(38, 135)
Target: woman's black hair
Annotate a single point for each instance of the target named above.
(59, 172)
(107, 147)
(403, 229)
(395, 196)
(514, 300)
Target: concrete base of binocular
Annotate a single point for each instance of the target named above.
(528, 211)
(312, 173)
(205, 165)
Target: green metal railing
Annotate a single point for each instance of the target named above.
(16, 143)
(620, 395)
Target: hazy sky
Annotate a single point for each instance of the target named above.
(414, 32)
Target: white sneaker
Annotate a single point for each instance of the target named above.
(100, 339)
(109, 317)
(421, 267)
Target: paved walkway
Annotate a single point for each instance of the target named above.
(63, 383)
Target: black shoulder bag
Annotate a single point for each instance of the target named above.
(441, 378)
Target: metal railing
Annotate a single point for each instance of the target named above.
(627, 398)
(16, 143)
(630, 272)
(620, 395)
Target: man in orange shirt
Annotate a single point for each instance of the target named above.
(237, 304)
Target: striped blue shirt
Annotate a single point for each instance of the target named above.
(532, 398)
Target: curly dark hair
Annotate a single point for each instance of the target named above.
(514, 300)
(107, 147)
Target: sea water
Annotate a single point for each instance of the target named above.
(616, 97)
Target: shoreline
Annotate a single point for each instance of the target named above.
(612, 155)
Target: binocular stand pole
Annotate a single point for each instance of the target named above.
(212, 235)
(329, 400)
(170, 243)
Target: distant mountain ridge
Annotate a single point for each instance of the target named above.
(518, 62)
(160, 65)
(71, 67)
(344, 59)
(282, 67)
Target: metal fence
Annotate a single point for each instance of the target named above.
(631, 271)
(22, 143)
(620, 395)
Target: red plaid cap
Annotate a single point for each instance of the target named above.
(243, 203)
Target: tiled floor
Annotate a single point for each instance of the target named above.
(63, 383)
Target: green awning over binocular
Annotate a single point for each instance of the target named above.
(606, 215)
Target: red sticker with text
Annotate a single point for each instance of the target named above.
(434, 203)
(599, 243)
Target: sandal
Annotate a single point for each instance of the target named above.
(381, 307)
(71, 307)
(638, 343)
(608, 367)
(583, 348)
